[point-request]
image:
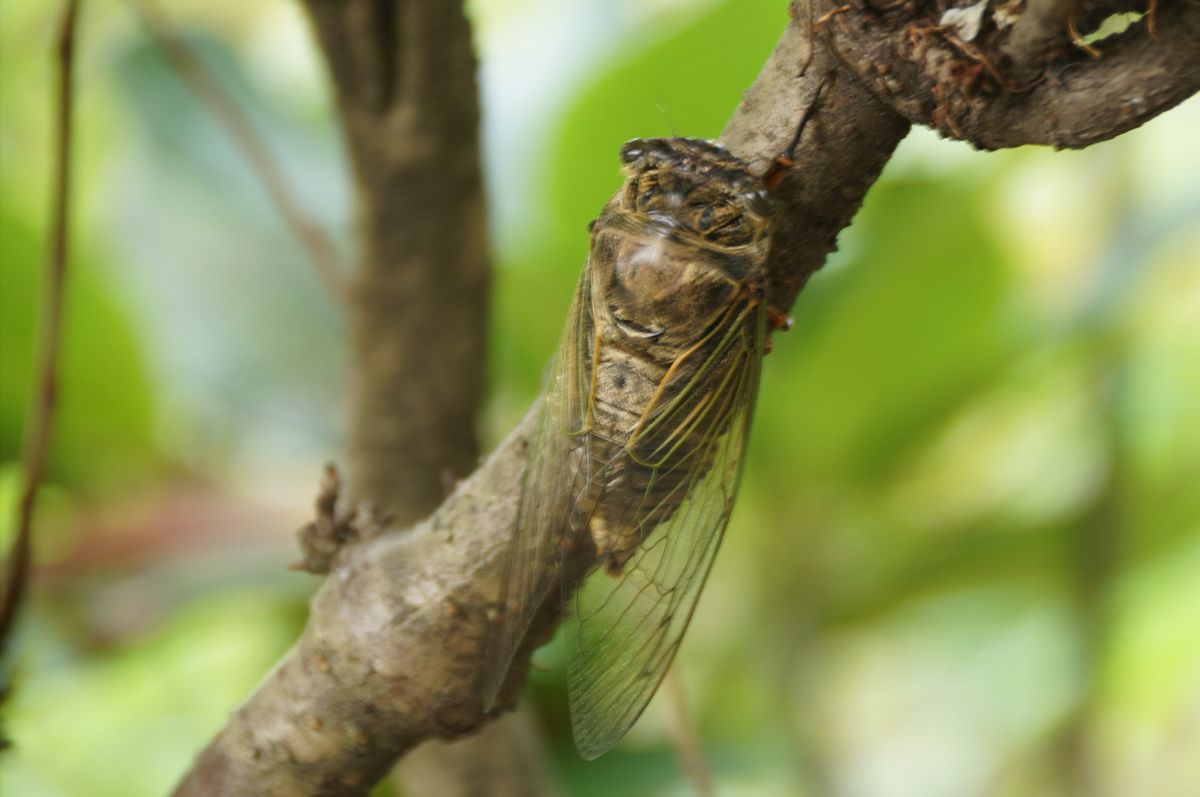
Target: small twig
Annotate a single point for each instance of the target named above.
(197, 76)
(828, 15)
(333, 528)
(45, 389)
(682, 732)
(977, 55)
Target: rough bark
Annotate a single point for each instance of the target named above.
(1037, 33)
(392, 652)
(972, 91)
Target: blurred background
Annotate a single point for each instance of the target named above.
(966, 557)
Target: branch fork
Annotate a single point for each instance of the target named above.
(323, 539)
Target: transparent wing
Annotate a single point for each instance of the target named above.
(557, 463)
(623, 631)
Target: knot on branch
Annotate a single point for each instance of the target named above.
(1003, 73)
(323, 538)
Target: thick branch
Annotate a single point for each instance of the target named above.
(389, 658)
(963, 89)
(844, 148)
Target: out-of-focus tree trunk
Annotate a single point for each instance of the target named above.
(404, 77)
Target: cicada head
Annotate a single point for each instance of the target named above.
(697, 187)
(688, 232)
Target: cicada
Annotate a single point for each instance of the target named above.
(634, 463)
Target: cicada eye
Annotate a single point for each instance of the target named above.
(632, 151)
(758, 201)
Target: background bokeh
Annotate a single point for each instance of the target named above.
(966, 558)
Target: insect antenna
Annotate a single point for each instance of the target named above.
(667, 117)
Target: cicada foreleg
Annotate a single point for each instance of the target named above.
(783, 162)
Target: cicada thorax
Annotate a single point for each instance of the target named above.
(676, 270)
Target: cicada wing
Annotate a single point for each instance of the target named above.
(556, 464)
(623, 631)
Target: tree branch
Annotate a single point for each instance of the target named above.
(931, 77)
(45, 383)
(404, 75)
(389, 657)
(393, 649)
(844, 148)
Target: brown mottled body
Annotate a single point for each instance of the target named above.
(634, 465)
(672, 257)
(643, 479)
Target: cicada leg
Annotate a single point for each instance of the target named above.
(778, 320)
(784, 162)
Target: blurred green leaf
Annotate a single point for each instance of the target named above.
(129, 722)
(106, 401)
(921, 317)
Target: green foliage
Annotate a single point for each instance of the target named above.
(901, 334)
(131, 718)
(103, 432)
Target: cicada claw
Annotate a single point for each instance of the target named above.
(778, 320)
